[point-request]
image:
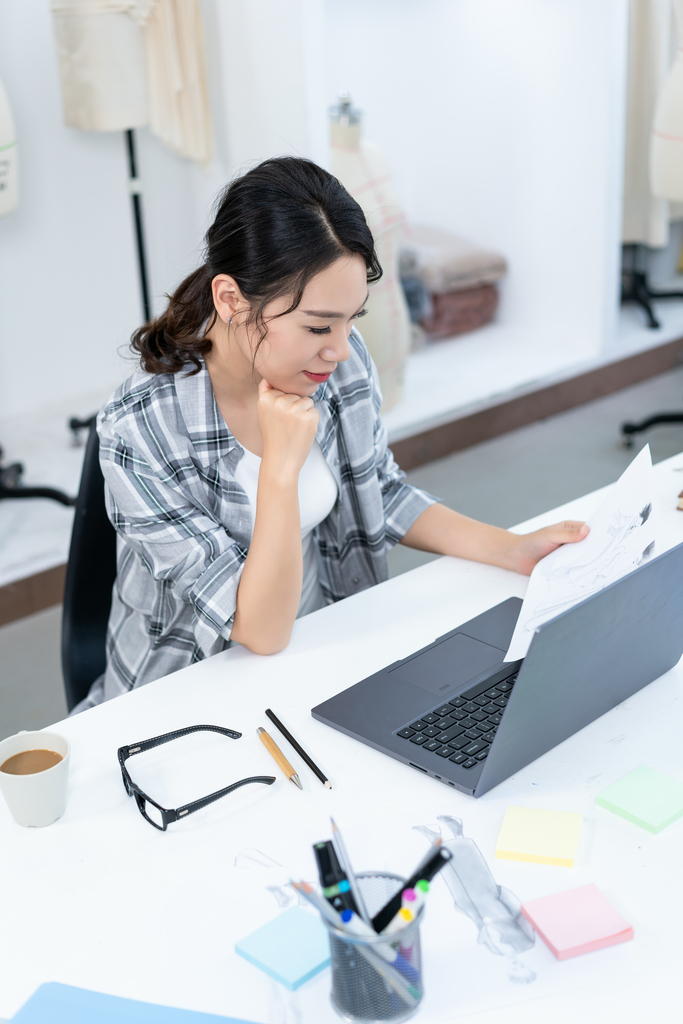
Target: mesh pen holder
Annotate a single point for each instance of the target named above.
(376, 977)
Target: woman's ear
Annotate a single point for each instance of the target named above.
(227, 297)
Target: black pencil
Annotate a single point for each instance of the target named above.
(299, 749)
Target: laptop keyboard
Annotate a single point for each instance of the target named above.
(462, 730)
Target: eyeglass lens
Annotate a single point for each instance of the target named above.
(150, 811)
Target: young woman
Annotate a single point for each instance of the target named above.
(247, 471)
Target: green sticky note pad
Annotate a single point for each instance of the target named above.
(292, 948)
(645, 797)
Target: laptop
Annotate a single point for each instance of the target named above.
(456, 711)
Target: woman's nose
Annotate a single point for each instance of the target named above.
(337, 349)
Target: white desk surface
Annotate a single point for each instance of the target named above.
(102, 900)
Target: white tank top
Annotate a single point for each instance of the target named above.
(317, 496)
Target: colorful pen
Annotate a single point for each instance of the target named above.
(430, 867)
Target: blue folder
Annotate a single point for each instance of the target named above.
(62, 1004)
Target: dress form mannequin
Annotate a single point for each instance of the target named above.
(646, 213)
(650, 51)
(8, 157)
(128, 63)
(666, 180)
(666, 149)
(363, 170)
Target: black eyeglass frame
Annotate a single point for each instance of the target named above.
(169, 815)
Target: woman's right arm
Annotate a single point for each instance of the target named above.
(269, 590)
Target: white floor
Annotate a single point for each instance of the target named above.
(35, 533)
(503, 481)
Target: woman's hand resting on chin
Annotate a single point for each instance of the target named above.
(288, 425)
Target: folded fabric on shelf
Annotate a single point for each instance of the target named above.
(449, 283)
(446, 263)
(461, 311)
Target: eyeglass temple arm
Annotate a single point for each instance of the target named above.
(196, 805)
(156, 741)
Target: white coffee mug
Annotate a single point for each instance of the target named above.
(40, 798)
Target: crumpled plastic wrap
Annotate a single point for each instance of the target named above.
(495, 911)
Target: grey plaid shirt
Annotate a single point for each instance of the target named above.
(184, 524)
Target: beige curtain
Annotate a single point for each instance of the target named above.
(666, 151)
(645, 218)
(179, 111)
(8, 157)
(128, 63)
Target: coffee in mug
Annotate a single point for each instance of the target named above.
(28, 762)
(34, 768)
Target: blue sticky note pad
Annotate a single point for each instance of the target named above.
(61, 1004)
(292, 948)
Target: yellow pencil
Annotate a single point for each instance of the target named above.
(279, 758)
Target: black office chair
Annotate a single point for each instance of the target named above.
(90, 575)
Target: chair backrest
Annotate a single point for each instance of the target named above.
(90, 576)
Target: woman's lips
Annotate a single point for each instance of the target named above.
(318, 377)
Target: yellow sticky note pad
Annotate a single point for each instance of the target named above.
(539, 836)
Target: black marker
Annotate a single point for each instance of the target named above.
(425, 871)
(333, 881)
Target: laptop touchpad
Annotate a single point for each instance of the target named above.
(449, 665)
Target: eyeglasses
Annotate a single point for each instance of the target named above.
(154, 813)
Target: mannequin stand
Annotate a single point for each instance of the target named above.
(635, 286)
(628, 430)
(135, 187)
(11, 487)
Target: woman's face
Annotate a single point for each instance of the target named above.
(302, 348)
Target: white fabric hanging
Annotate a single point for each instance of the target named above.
(666, 150)
(9, 194)
(102, 63)
(129, 63)
(179, 112)
(645, 217)
(362, 168)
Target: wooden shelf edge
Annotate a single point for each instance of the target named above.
(32, 594)
(512, 413)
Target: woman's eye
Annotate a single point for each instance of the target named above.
(320, 330)
(361, 313)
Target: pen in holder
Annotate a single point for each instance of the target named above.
(376, 977)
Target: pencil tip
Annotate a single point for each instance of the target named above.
(296, 780)
(328, 784)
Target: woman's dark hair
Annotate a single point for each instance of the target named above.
(275, 228)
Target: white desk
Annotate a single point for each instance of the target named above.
(102, 900)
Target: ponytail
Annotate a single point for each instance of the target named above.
(178, 337)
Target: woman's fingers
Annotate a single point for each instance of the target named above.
(569, 532)
(530, 548)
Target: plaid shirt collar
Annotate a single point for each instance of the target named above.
(208, 432)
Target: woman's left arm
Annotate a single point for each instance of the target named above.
(444, 532)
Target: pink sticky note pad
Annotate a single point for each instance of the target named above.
(577, 921)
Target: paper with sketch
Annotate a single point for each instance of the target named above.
(622, 535)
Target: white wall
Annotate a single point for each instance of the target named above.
(502, 122)
(69, 293)
(274, 56)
